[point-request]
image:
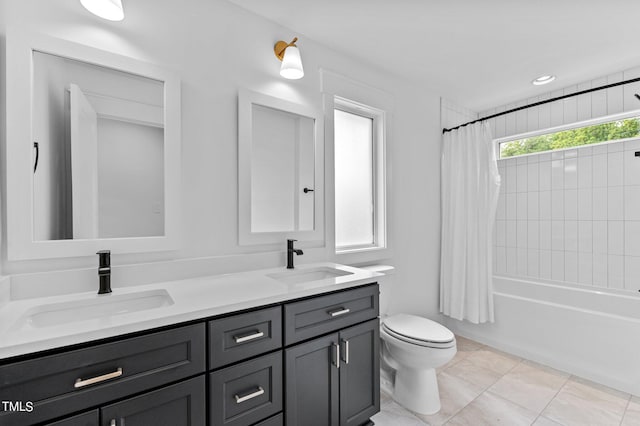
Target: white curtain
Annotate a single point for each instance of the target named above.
(470, 188)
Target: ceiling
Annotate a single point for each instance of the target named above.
(480, 54)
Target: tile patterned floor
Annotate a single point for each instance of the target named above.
(484, 386)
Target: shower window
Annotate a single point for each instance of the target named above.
(582, 134)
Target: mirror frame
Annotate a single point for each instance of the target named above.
(19, 114)
(246, 99)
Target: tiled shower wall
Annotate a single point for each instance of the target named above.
(572, 215)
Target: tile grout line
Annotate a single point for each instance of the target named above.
(554, 397)
(624, 413)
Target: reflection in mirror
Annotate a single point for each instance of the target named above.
(282, 171)
(98, 137)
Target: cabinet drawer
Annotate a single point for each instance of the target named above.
(70, 381)
(84, 419)
(313, 317)
(246, 393)
(245, 335)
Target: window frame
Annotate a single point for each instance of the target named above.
(561, 128)
(378, 167)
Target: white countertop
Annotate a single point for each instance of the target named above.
(193, 299)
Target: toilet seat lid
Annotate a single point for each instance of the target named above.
(418, 328)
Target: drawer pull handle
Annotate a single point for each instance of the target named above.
(247, 337)
(240, 399)
(339, 312)
(82, 383)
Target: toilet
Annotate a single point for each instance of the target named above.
(412, 347)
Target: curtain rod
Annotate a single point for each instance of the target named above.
(546, 101)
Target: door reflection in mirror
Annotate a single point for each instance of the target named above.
(100, 133)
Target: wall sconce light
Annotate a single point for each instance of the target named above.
(289, 54)
(107, 9)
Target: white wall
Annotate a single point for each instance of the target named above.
(217, 48)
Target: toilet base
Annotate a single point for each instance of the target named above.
(417, 390)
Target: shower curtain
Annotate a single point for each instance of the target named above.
(470, 189)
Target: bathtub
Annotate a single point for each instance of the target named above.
(589, 332)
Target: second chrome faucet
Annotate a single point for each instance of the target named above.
(290, 252)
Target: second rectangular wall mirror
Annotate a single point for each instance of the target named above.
(280, 164)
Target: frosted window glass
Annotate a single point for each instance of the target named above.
(353, 179)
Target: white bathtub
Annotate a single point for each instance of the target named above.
(592, 333)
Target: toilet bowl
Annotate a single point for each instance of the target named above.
(412, 347)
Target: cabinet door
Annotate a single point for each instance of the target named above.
(182, 404)
(85, 419)
(359, 373)
(312, 382)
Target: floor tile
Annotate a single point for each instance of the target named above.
(455, 394)
(392, 414)
(490, 410)
(632, 415)
(493, 359)
(460, 355)
(581, 403)
(466, 345)
(530, 385)
(543, 421)
(473, 373)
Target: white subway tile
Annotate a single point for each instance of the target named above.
(585, 204)
(632, 145)
(585, 172)
(533, 205)
(615, 205)
(571, 173)
(585, 268)
(631, 168)
(571, 235)
(615, 147)
(571, 153)
(521, 171)
(532, 176)
(545, 156)
(571, 266)
(632, 203)
(557, 265)
(600, 204)
(523, 232)
(534, 158)
(600, 238)
(632, 273)
(533, 234)
(585, 236)
(557, 205)
(512, 262)
(545, 234)
(615, 168)
(632, 245)
(501, 210)
(521, 200)
(557, 155)
(600, 266)
(511, 236)
(545, 264)
(585, 151)
(501, 233)
(511, 162)
(616, 272)
(557, 235)
(545, 205)
(501, 260)
(545, 175)
(533, 263)
(521, 161)
(615, 237)
(599, 98)
(557, 174)
(615, 95)
(599, 148)
(571, 204)
(512, 176)
(599, 170)
(511, 205)
(522, 260)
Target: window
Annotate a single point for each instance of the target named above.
(359, 176)
(611, 130)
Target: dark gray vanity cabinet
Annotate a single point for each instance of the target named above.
(333, 379)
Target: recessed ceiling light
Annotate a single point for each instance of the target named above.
(544, 79)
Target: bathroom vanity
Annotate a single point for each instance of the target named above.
(310, 358)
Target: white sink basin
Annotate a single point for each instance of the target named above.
(307, 275)
(98, 306)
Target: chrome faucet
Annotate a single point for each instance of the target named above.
(104, 271)
(290, 251)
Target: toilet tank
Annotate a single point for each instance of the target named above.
(386, 284)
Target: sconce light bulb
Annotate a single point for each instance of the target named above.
(106, 9)
(292, 64)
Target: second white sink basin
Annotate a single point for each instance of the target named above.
(98, 306)
(307, 275)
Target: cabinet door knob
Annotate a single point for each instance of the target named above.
(80, 383)
(249, 396)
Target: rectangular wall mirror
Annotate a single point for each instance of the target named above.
(280, 170)
(97, 165)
